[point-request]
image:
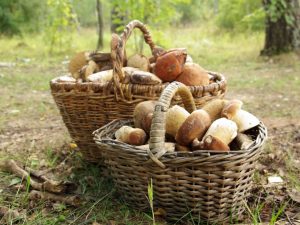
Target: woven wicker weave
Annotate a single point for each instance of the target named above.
(87, 106)
(210, 185)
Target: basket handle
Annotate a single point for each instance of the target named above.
(118, 51)
(158, 130)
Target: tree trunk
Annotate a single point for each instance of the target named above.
(282, 26)
(100, 24)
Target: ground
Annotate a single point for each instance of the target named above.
(32, 131)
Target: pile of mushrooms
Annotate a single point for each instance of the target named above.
(220, 125)
(164, 66)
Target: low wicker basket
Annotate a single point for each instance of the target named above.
(212, 186)
(87, 106)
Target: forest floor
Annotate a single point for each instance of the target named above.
(32, 131)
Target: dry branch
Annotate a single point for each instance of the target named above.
(45, 185)
(68, 199)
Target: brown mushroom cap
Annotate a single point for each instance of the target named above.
(169, 65)
(193, 75)
(230, 109)
(77, 62)
(214, 143)
(193, 127)
(137, 137)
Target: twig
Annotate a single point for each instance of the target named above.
(73, 200)
(47, 185)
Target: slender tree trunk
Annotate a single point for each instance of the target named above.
(282, 27)
(100, 24)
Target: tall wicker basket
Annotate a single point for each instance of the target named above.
(87, 106)
(212, 186)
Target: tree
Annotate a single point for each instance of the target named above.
(282, 26)
(100, 24)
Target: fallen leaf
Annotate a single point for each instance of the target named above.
(15, 180)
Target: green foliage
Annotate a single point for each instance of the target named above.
(155, 13)
(8, 23)
(149, 11)
(196, 11)
(61, 22)
(277, 9)
(86, 12)
(241, 15)
(18, 15)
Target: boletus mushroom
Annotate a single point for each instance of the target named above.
(242, 118)
(170, 64)
(223, 129)
(195, 126)
(132, 136)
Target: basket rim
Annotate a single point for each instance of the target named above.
(219, 83)
(102, 136)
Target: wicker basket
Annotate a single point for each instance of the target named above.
(212, 186)
(87, 106)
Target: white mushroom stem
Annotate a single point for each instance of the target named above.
(223, 129)
(243, 141)
(174, 119)
(244, 120)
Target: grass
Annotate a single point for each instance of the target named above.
(31, 129)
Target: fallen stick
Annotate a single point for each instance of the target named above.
(46, 185)
(68, 199)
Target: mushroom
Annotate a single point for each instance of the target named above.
(89, 69)
(139, 61)
(142, 77)
(197, 145)
(77, 62)
(193, 75)
(142, 115)
(244, 120)
(175, 117)
(214, 108)
(132, 136)
(223, 129)
(170, 64)
(242, 141)
(181, 148)
(213, 143)
(230, 108)
(101, 77)
(193, 127)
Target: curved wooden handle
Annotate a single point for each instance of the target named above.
(118, 51)
(157, 133)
